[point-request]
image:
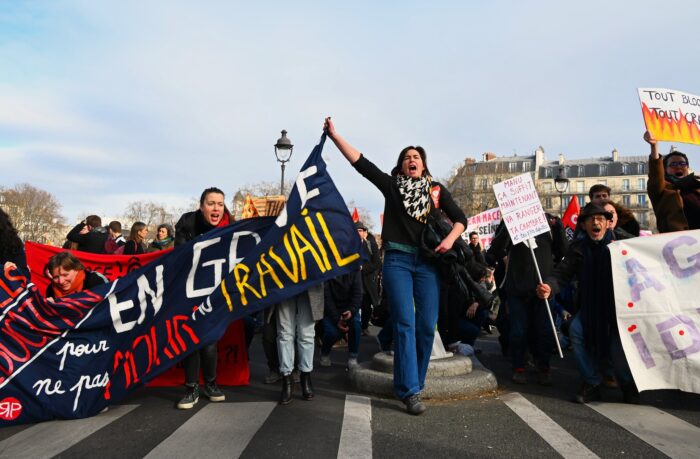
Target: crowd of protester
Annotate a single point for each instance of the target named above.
(402, 289)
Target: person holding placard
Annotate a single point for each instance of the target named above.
(410, 280)
(674, 193)
(528, 319)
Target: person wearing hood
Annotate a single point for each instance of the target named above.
(212, 214)
(594, 334)
(672, 190)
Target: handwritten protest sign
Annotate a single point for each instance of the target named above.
(671, 115)
(657, 313)
(521, 208)
(484, 224)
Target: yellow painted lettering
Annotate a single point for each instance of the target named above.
(293, 275)
(243, 284)
(302, 248)
(331, 243)
(317, 240)
(269, 271)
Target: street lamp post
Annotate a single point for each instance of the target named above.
(283, 153)
(561, 183)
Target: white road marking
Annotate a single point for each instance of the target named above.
(356, 434)
(670, 435)
(217, 430)
(558, 438)
(48, 439)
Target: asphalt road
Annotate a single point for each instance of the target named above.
(517, 421)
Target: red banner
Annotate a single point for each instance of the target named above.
(232, 369)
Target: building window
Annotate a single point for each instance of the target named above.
(484, 184)
(625, 184)
(581, 171)
(642, 218)
(625, 169)
(547, 172)
(603, 169)
(642, 168)
(580, 186)
(641, 185)
(642, 200)
(548, 203)
(567, 200)
(626, 200)
(526, 166)
(512, 167)
(581, 201)
(547, 187)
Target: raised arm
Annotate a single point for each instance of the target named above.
(653, 143)
(350, 152)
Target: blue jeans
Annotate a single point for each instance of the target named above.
(467, 330)
(413, 290)
(529, 328)
(295, 324)
(386, 335)
(587, 364)
(331, 334)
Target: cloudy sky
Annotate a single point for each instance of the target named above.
(103, 103)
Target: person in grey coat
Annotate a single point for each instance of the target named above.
(296, 318)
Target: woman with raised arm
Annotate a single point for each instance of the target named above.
(411, 282)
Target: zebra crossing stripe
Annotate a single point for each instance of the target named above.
(356, 434)
(217, 430)
(670, 435)
(551, 432)
(48, 439)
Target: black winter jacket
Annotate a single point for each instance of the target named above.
(521, 276)
(344, 293)
(93, 241)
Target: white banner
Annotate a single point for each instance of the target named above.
(655, 280)
(485, 225)
(521, 207)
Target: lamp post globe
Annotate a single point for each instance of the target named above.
(283, 153)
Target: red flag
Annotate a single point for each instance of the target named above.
(355, 216)
(570, 218)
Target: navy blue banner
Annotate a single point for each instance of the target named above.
(73, 357)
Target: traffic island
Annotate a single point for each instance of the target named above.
(449, 376)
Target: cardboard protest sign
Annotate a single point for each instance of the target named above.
(671, 115)
(485, 224)
(657, 313)
(521, 208)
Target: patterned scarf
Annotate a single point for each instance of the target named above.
(416, 196)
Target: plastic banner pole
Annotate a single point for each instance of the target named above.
(549, 311)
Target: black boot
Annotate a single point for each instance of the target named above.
(307, 390)
(286, 396)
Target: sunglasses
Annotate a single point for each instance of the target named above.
(678, 164)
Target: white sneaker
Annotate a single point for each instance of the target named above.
(325, 361)
(352, 363)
